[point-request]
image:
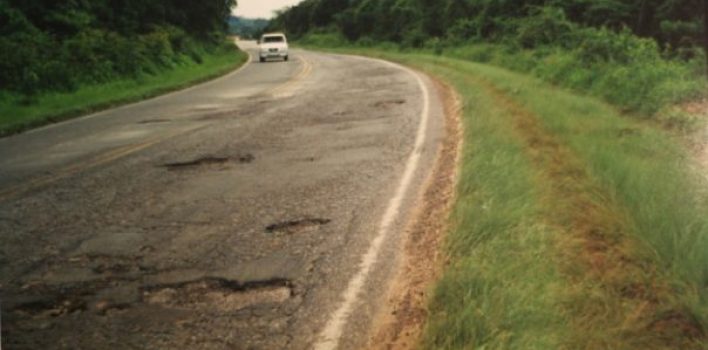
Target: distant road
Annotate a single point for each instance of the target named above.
(262, 210)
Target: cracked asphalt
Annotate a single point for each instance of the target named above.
(231, 215)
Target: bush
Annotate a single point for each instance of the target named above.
(158, 47)
(332, 39)
(23, 52)
(33, 60)
(544, 26)
(618, 66)
(435, 44)
(415, 38)
(462, 30)
(366, 41)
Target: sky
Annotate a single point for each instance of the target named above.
(261, 8)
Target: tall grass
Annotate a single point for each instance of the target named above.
(644, 167)
(502, 288)
(640, 167)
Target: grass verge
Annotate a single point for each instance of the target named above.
(17, 115)
(629, 72)
(575, 227)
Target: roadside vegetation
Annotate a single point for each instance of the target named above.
(575, 226)
(579, 222)
(639, 55)
(62, 59)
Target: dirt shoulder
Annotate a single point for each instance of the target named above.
(400, 324)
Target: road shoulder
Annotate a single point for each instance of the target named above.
(400, 324)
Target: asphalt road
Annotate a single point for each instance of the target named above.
(263, 210)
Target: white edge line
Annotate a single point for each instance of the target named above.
(155, 98)
(331, 335)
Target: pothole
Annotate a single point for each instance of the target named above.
(42, 302)
(389, 103)
(294, 226)
(219, 294)
(109, 265)
(154, 121)
(209, 161)
(50, 307)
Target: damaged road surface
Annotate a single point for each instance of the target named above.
(232, 215)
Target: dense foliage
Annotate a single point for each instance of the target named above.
(673, 23)
(638, 54)
(58, 45)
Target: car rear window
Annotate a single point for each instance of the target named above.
(273, 39)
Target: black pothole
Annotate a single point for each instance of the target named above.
(222, 284)
(37, 306)
(112, 268)
(294, 226)
(197, 162)
(210, 160)
(246, 158)
(54, 307)
(154, 121)
(389, 103)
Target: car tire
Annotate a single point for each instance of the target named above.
(285, 58)
(262, 59)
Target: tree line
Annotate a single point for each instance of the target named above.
(58, 45)
(247, 27)
(674, 24)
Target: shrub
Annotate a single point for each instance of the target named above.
(33, 60)
(462, 30)
(365, 41)
(415, 38)
(157, 47)
(435, 44)
(544, 26)
(331, 39)
(623, 69)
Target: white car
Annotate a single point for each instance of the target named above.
(273, 45)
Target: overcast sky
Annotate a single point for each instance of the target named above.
(261, 8)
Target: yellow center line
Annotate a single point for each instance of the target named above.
(98, 160)
(120, 152)
(291, 83)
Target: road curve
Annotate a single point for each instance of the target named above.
(262, 210)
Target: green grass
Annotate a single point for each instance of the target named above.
(501, 288)
(17, 115)
(629, 72)
(575, 227)
(645, 85)
(644, 168)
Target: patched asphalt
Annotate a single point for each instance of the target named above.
(230, 215)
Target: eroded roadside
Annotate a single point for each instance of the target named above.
(400, 323)
(608, 288)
